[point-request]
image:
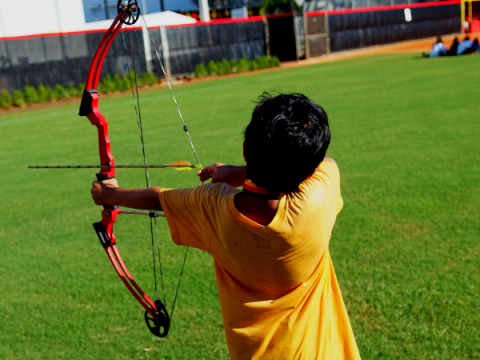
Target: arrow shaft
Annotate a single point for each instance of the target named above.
(115, 166)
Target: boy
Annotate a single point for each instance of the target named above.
(277, 287)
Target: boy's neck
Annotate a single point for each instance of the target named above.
(261, 211)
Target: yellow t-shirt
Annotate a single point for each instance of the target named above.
(278, 291)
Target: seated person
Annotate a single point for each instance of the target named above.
(464, 46)
(438, 49)
(453, 48)
(472, 49)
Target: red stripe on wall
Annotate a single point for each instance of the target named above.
(66, 33)
(130, 28)
(382, 8)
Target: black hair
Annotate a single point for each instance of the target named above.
(285, 141)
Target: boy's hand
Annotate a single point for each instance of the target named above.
(221, 173)
(101, 191)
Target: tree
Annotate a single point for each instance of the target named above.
(280, 6)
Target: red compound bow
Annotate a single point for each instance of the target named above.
(156, 315)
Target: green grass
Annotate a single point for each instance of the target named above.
(405, 247)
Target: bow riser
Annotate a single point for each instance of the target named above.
(106, 157)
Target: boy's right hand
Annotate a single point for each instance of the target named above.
(221, 173)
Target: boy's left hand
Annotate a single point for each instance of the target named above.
(221, 173)
(101, 191)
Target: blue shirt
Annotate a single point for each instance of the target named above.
(464, 45)
(437, 50)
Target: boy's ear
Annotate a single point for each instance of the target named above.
(244, 156)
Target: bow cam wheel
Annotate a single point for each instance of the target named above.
(130, 9)
(159, 326)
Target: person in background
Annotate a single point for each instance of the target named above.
(453, 48)
(464, 46)
(438, 49)
(475, 45)
(472, 49)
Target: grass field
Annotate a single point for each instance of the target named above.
(406, 246)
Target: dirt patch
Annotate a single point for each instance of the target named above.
(415, 46)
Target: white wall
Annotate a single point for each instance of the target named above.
(35, 17)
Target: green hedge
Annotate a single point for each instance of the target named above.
(233, 66)
(43, 94)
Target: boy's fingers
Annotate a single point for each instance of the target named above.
(207, 172)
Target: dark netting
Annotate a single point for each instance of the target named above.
(54, 47)
(316, 36)
(318, 46)
(192, 45)
(316, 24)
(282, 37)
(361, 20)
(53, 60)
(355, 30)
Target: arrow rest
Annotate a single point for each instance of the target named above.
(159, 326)
(130, 9)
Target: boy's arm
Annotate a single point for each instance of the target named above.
(221, 173)
(109, 194)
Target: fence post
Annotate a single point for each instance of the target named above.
(327, 30)
(295, 32)
(267, 36)
(165, 52)
(147, 48)
(305, 34)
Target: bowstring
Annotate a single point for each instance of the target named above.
(138, 115)
(185, 129)
(153, 221)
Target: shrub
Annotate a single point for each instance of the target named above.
(107, 85)
(5, 99)
(60, 93)
(223, 67)
(275, 61)
(133, 79)
(148, 79)
(127, 85)
(242, 64)
(80, 89)
(30, 95)
(118, 83)
(212, 68)
(263, 62)
(45, 94)
(233, 65)
(200, 70)
(151, 78)
(72, 90)
(17, 99)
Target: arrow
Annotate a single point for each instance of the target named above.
(179, 165)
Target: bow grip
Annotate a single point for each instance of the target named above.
(102, 177)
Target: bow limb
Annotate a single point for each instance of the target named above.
(156, 315)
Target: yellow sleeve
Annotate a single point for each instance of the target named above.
(193, 213)
(329, 174)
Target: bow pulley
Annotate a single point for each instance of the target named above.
(130, 9)
(159, 325)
